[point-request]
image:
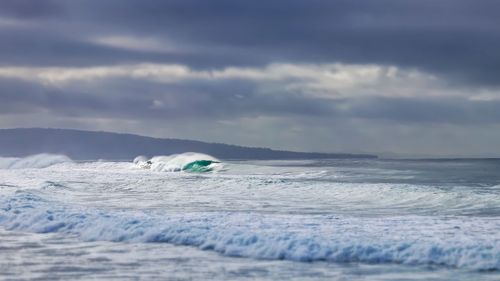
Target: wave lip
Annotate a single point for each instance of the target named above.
(452, 241)
(188, 162)
(36, 161)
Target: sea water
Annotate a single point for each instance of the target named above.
(250, 220)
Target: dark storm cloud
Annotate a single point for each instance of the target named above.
(456, 38)
(37, 46)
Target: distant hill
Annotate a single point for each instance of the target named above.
(89, 145)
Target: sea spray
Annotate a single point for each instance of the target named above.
(37, 161)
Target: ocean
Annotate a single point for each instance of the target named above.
(339, 219)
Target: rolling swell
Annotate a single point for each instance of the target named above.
(461, 242)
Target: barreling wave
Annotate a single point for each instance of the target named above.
(188, 162)
(449, 241)
(37, 161)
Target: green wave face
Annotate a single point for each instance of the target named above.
(199, 166)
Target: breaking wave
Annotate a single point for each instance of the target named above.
(189, 162)
(34, 161)
(460, 242)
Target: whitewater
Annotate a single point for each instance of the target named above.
(192, 216)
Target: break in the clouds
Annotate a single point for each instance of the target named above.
(411, 77)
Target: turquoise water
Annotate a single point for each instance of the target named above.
(247, 220)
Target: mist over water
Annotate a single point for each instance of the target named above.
(34, 161)
(329, 218)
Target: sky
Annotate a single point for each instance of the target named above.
(386, 77)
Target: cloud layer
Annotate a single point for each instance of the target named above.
(392, 76)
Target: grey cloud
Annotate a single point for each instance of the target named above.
(230, 99)
(29, 9)
(457, 39)
(139, 100)
(41, 46)
(453, 110)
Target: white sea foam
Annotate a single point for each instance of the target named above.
(462, 242)
(301, 213)
(34, 161)
(246, 187)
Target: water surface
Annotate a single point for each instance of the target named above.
(277, 220)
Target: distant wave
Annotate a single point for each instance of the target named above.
(34, 161)
(416, 240)
(189, 162)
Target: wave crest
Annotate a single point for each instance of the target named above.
(450, 241)
(189, 162)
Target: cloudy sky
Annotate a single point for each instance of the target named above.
(410, 77)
